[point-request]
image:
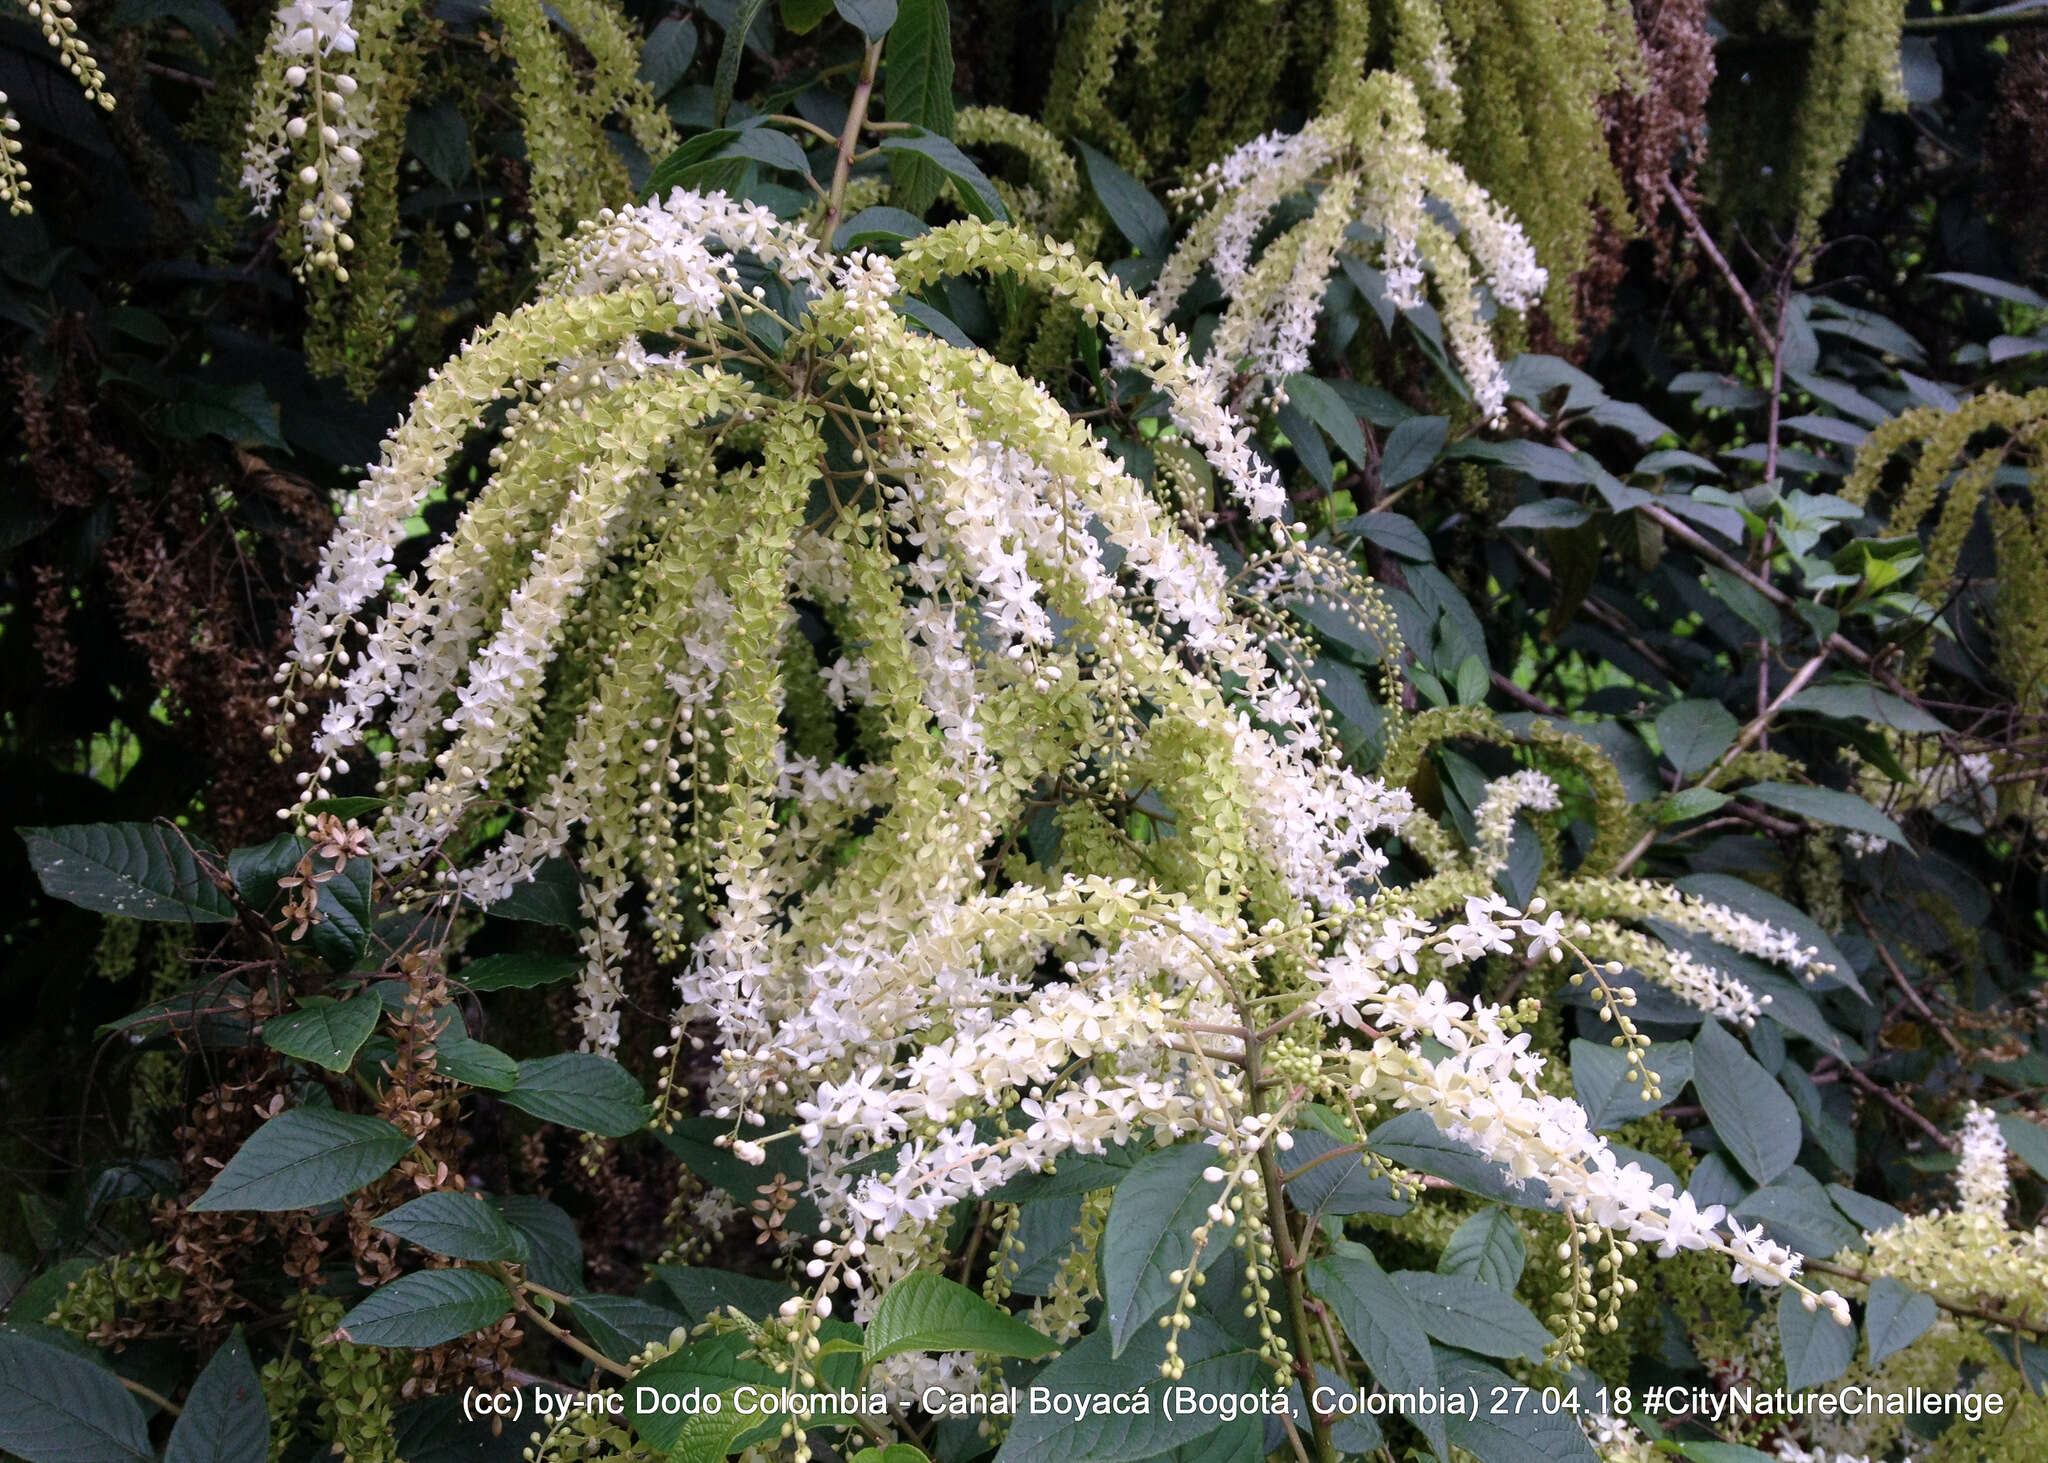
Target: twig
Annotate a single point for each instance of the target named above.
(1676, 197)
(1905, 985)
(849, 139)
(1898, 1105)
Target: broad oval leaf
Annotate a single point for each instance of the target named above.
(1695, 733)
(580, 1090)
(1895, 1318)
(1466, 1312)
(1150, 1235)
(1488, 1248)
(1826, 805)
(460, 1226)
(225, 1419)
(1411, 449)
(872, 17)
(1512, 1423)
(1382, 1324)
(927, 1312)
(325, 1031)
(1413, 1140)
(427, 1308)
(1139, 216)
(140, 870)
(1750, 1112)
(305, 1157)
(517, 972)
(58, 1407)
(1817, 1347)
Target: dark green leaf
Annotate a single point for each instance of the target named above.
(1749, 1111)
(1460, 1310)
(140, 870)
(342, 933)
(1073, 1174)
(224, 1419)
(1139, 216)
(877, 225)
(871, 17)
(460, 1056)
(728, 73)
(1817, 1348)
(1382, 1324)
(1694, 734)
(671, 47)
(622, 1326)
(977, 195)
(580, 1090)
(1322, 405)
(1413, 1140)
(1548, 513)
(1598, 1079)
(427, 1308)
(701, 1292)
(1215, 1365)
(517, 972)
(1512, 1424)
(305, 1157)
(58, 1407)
(1397, 534)
(1488, 1248)
(919, 89)
(927, 1312)
(1150, 1235)
(1895, 1317)
(460, 1226)
(1860, 701)
(1411, 449)
(325, 1031)
(2028, 1141)
(439, 138)
(1825, 805)
(1337, 1186)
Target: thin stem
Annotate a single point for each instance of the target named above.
(1899, 1105)
(2023, 1321)
(150, 1395)
(1676, 197)
(582, 1348)
(849, 138)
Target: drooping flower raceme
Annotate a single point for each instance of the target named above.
(300, 114)
(1094, 810)
(1373, 180)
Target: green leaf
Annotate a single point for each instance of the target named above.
(460, 1226)
(1071, 1175)
(1149, 1236)
(1548, 513)
(694, 1141)
(1998, 289)
(1413, 1140)
(325, 1031)
(427, 1308)
(702, 1292)
(439, 138)
(342, 935)
(1382, 1324)
(1512, 1424)
(2029, 1141)
(1411, 449)
(877, 225)
(1321, 404)
(927, 1312)
(1861, 701)
(1694, 734)
(554, 895)
(1749, 1111)
(801, 17)
(224, 1419)
(1817, 1348)
(1398, 534)
(1598, 1072)
(919, 90)
(1138, 216)
(712, 1367)
(580, 1090)
(894, 1453)
(554, 1250)
(59, 1407)
(140, 870)
(1691, 802)
(1462, 1311)
(1796, 1213)
(1825, 805)
(1487, 1248)
(460, 1056)
(1337, 1186)
(518, 972)
(1216, 1366)
(977, 195)
(623, 1326)
(304, 1157)
(728, 73)
(872, 18)
(671, 47)
(1895, 1317)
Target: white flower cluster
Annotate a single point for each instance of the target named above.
(60, 30)
(301, 109)
(1373, 177)
(1982, 1184)
(594, 664)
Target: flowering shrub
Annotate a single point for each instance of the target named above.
(1097, 838)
